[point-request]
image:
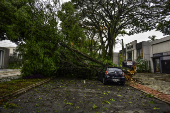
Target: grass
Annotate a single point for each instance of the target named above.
(9, 87)
(10, 105)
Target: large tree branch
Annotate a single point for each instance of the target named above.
(92, 59)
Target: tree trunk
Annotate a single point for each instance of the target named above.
(102, 45)
(110, 42)
(122, 50)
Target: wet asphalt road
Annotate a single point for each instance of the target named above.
(76, 96)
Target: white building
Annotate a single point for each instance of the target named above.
(136, 50)
(8, 44)
(4, 58)
(116, 58)
(160, 55)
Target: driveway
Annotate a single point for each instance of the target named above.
(85, 96)
(156, 81)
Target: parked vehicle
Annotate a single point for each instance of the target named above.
(111, 74)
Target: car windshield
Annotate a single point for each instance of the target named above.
(113, 69)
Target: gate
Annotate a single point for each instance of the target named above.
(165, 66)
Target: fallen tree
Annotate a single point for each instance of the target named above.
(47, 49)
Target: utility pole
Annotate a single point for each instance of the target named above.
(122, 50)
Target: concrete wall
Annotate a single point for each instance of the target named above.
(116, 58)
(146, 50)
(5, 57)
(133, 50)
(135, 55)
(11, 50)
(161, 47)
(151, 60)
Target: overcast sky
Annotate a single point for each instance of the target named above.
(139, 37)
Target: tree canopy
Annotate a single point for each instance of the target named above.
(83, 38)
(45, 48)
(164, 25)
(111, 18)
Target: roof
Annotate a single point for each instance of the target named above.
(160, 40)
(7, 43)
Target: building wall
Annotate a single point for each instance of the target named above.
(116, 58)
(135, 55)
(133, 50)
(146, 50)
(160, 50)
(5, 57)
(11, 50)
(161, 47)
(151, 60)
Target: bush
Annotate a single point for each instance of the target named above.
(14, 65)
(14, 62)
(142, 65)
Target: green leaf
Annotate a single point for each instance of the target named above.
(156, 108)
(107, 102)
(69, 103)
(105, 93)
(104, 108)
(152, 102)
(94, 106)
(112, 100)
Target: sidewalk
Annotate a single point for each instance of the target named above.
(156, 81)
(153, 83)
(8, 74)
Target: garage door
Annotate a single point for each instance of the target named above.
(165, 66)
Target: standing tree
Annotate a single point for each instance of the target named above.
(153, 37)
(75, 38)
(118, 17)
(164, 25)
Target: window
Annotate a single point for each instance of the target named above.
(141, 53)
(114, 69)
(138, 52)
(13, 50)
(129, 56)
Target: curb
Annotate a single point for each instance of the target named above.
(9, 71)
(20, 91)
(157, 94)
